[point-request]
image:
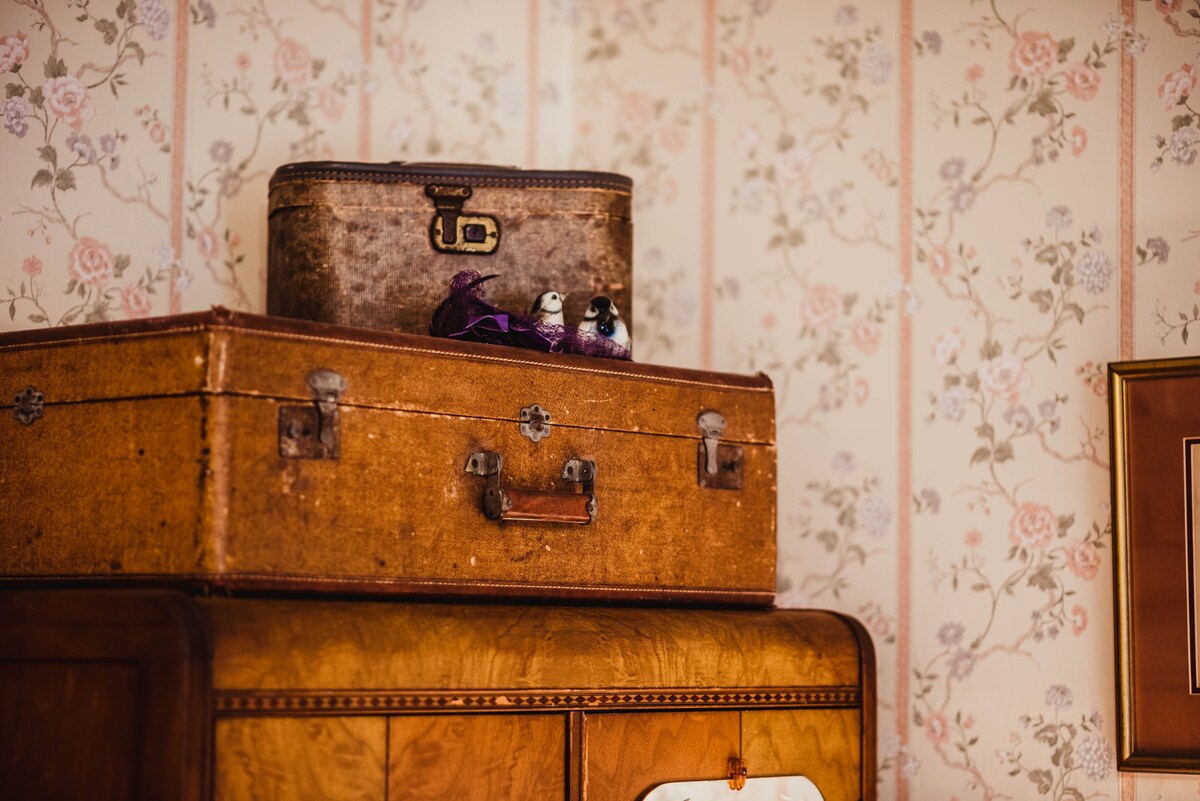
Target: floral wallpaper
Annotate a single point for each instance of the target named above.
(932, 222)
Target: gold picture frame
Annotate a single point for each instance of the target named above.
(1154, 411)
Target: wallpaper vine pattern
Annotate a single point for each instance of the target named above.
(907, 212)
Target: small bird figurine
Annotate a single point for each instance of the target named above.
(603, 318)
(548, 307)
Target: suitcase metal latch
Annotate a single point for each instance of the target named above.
(452, 231)
(29, 403)
(311, 432)
(718, 466)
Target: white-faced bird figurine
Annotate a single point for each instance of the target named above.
(548, 307)
(603, 318)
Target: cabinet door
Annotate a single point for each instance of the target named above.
(823, 745)
(103, 695)
(301, 759)
(628, 753)
(456, 757)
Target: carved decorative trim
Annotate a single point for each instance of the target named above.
(334, 702)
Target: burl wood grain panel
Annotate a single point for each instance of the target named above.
(821, 744)
(301, 759)
(457, 757)
(299, 645)
(628, 753)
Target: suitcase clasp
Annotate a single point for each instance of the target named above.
(452, 231)
(718, 466)
(311, 432)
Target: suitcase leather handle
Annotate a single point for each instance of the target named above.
(536, 506)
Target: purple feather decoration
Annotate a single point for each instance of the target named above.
(466, 315)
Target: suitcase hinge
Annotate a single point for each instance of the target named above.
(452, 231)
(311, 432)
(718, 466)
(29, 403)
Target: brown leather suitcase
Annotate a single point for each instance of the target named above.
(157, 695)
(375, 245)
(247, 452)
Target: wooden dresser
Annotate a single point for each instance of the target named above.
(149, 694)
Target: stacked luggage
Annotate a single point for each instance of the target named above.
(339, 558)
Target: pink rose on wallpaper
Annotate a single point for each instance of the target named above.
(330, 103)
(90, 261)
(973, 538)
(974, 73)
(293, 63)
(157, 131)
(937, 728)
(940, 261)
(1167, 6)
(1177, 86)
(1082, 81)
(32, 266)
(1078, 140)
(1004, 377)
(14, 49)
(242, 61)
(68, 99)
(1033, 54)
(821, 305)
(673, 137)
(796, 167)
(947, 347)
(635, 111)
(395, 49)
(208, 243)
(1078, 619)
(747, 140)
(740, 62)
(1032, 526)
(135, 301)
(861, 391)
(866, 335)
(1082, 559)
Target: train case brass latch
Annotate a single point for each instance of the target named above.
(455, 231)
(311, 432)
(718, 465)
(28, 405)
(536, 506)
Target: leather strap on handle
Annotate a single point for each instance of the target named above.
(536, 506)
